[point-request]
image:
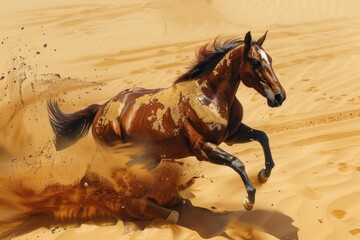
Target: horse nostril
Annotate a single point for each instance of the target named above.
(278, 98)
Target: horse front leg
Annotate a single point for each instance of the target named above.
(247, 134)
(212, 153)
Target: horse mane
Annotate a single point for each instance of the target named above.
(208, 57)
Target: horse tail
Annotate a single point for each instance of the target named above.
(70, 127)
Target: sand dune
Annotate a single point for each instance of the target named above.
(83, 52)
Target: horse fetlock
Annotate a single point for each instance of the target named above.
(262, 137)
(269, 165)
(251, 191)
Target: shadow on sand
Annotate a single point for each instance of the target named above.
(210, 224)
(206, 223)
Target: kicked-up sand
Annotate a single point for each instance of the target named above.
(81, 52)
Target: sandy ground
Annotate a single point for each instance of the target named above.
(82, 52)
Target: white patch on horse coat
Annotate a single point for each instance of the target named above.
(203, 84)
(225, 60)
(158, 124)
(264, 56)
(170, 98)
(111, 111)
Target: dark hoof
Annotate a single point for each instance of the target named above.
(262, 178)
(247, 204)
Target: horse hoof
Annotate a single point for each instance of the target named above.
(262, 178)
(173, 217)
(247, 204)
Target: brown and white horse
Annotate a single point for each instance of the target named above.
(191, 117)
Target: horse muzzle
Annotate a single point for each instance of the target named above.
(276, 99)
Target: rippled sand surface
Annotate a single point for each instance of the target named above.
(83, 52)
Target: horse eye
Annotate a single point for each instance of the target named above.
(256, 64)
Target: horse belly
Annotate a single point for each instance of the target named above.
(169, 148)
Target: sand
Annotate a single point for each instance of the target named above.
(83, 52)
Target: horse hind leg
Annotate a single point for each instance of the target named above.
(109, 135)
(247, 134)
(144, 209)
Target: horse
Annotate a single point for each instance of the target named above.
(192, 117)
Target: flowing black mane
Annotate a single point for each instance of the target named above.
(208, 57)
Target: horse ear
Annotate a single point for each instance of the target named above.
(248, 39)
(262, 39)
(247, 42)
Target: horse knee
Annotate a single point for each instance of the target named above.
(261, 136)
(236, 163)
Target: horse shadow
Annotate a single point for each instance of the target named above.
(209, 224)
(205, 222)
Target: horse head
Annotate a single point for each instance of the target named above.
(256, 71)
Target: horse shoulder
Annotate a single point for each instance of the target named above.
(235, 118)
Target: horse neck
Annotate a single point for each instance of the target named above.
(224, 79)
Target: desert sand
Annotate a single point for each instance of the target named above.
(81, 52)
